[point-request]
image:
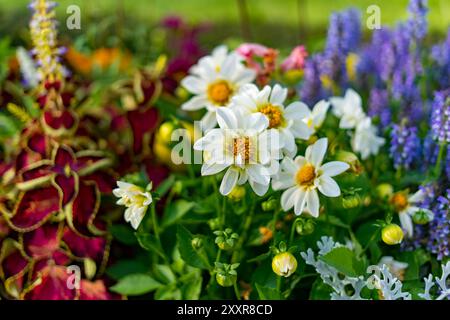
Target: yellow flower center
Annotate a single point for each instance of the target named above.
(399, 201)
(220, 92)
(241, 147)
(274, 114)
(67, 170)
(306, 175)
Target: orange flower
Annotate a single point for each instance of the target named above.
(103, 58)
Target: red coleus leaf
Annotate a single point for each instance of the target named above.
(13, 268)
(156, 173)
(142, 122)
(42, 242)
(34, 207)
(82, 211)
(106, 181)
(36, 170)
(60, 119)
(96, 290)
(38, 143)
(83, 247)
(53, 285)
(68, 187)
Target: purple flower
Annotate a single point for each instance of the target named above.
(311, 90)
(439, 229)
(405, 146)
(379, 106)
(440, 54)
(417, 22)
(440, 117)
(430, 151)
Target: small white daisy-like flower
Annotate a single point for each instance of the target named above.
(365, 139)
(243, 146)
(395, 267)
(214, 80)
(294, 121)
(407, 206)
(135, 199)
(315, 117)
(348, 109)
(303, 176)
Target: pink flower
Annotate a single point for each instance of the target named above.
(296, 60)
(260, 58)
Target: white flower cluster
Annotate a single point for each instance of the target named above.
(349, 110)
(255, 131)
(386, 277)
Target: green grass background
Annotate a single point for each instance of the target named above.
(281, 23)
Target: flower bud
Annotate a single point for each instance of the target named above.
(214, 223)
(237, 193)
(182, 93)
(351, 159)
(177, 187)
(269, 205)
(197, 243)
(392, 234)
(284, 264)
(226, 274)
(304, 226)
(384, 190)
(226, 240)
(423, 216)
(351, 201)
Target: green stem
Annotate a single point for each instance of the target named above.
(155, 222)
(279, 284)
(236, 291)
(437, 167)
(243, 236)
(291, 235)
(368, 243)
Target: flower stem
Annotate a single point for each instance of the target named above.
(437, 167)
(155, 222)
(291, 235)
(236, 291)
(279, 284)
(243, 236)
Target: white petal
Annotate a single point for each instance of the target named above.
(297, 111)
(257, 121)
(320, 112)
(316, 152)
(334, 168)
(226, 118)
(288, 198)
(329, 187)
(288, 165)
(208, 121)
(245, 76)
(229, 181)
(278, 95)
(300, 202)
(283, 181)
(195, 103)
(194, 84)
(312, 203)
(259, 174)
(260, 189)
(210, 169)
(406, 222)
(419, 196)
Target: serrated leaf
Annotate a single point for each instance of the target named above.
(187, 252)
(175, 211)
(136, 284)
(345, 261)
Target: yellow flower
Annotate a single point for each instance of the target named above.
(392, 234)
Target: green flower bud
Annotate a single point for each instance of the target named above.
(197, 243)
(226, 274)
(351, 201)
(237, 193)
(351, 159)
(392, 234)
(284, 264)
(269, 205)
(177, 187)
(423, 216)
(304, 226)
(214, 224)
(384, 190)
(226, 240)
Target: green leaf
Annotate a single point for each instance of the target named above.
(192, 287)
(123, 234)
(125, 267)
(345, 261)
(175, 211)
(8, 126)
(187, 252)
(266, 293)
(136, 284)
(320, 290)
(164, 274)
(149, 243)
(165, 186)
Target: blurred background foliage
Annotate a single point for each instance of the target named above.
(281, 24)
